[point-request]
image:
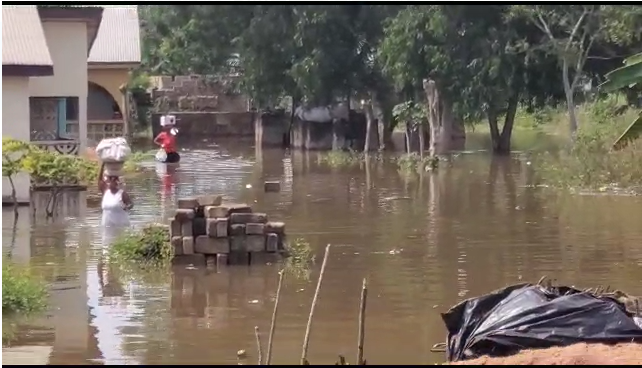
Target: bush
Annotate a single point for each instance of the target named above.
(22, 293)
(591, 162)
(23, 296)
(148, 247)
(414, 163)
(341, 158)
(299, 258)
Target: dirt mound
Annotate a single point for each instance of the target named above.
(578, 354)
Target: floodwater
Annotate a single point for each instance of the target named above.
(423, 243)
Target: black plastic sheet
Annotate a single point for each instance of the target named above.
(530, 316)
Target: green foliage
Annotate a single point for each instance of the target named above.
(415, 163)
(300, 258)
(147, 247)
(22, 292)
(591, 163)
(13, 153)
(341, 158)
(23, 296)
(57, 169)
(410, 114)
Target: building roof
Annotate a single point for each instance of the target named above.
(118, 40)
(23, 39)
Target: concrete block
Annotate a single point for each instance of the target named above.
(244, 218)
(187, 203)
(199, 226)
(254, 229)
(210, 261)
(275, 227)
(174, 228)
(221, 227)
(183, 215)
(217, 227)
(215, 211)
(206, 245)
(255, 243)
(209, 200)
(197, 260)
(186, 228)
(238, 244)
(272, 186)
(272, 243)
(239, 208)
(236, 229)
(222, 259)
(177, 243)
(188, 245)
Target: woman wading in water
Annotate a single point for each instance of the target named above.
(167, 141)
(115, 205)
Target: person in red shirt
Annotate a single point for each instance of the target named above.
(167, 141)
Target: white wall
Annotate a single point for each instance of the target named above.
(67, 42)
(15, 124)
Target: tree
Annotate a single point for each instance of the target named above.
(13, 155)
(570, 31)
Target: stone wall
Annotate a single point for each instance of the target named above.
(199, 125)
(205, 231)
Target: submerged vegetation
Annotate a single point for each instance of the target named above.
(148, 246)
(591, 162)
(23, 296)
(300, 257)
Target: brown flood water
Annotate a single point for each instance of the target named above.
(423, 243)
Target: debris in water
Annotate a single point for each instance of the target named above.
(248, 186)
(241, 354)
(255, 301)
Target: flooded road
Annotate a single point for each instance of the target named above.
(423, 243)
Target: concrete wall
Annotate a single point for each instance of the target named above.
(196, 93)
(67, 42)
(199, 125)
(15, 124)
(271, 129)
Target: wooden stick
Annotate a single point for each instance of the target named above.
(258, 344)
(306, 339)
(268, 358)
(362, 322)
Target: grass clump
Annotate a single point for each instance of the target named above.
(299, 259)
(148, 246)
(591, 162)
(341, 158)
(23, 296)
(413, 162)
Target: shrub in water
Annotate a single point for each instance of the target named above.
(22, 293)
(149, 246)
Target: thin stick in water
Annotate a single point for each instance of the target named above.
(258, 344)
(362, 321)
(268, 358)
(306, 339)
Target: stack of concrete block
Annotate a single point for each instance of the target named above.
(205, 226)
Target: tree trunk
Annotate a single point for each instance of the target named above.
(14, 197)
(380, 107)
(570, 103)
(440, 118)
(369, 127)
(408, 147)
(422, 144)
(501, 141)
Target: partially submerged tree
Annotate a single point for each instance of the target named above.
(13, 155)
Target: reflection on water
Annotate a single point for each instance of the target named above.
(424, 243)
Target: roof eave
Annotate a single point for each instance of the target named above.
(90, 15)
(13, 70)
